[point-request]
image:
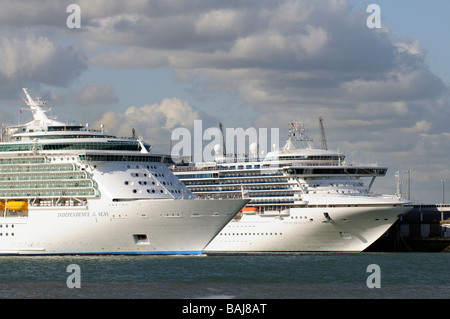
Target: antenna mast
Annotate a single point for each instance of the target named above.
(324, 140)
(223, 140)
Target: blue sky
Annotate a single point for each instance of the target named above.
(155, 65)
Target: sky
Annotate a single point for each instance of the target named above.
(158, 65)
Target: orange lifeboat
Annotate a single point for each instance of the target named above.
(249, 210)
(17, 205)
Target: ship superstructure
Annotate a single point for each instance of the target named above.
(68, 189)
(301, 199)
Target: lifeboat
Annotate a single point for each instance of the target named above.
(249, 210)
(2, 206)
(17, 205)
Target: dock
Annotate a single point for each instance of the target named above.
(426, 228)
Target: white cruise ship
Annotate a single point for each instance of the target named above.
(66, 189)
(301, 199)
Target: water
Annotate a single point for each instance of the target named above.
(403, 275)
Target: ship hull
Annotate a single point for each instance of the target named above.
(122, 227)
(344, 229)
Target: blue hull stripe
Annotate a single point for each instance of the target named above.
(193, 252)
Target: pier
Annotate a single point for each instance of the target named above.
(426, 228)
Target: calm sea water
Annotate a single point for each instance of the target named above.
(403, 275)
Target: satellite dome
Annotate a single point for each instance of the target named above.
(254, 149)
(217, 149)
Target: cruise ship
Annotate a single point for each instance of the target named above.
(68, 189)
(302, 199)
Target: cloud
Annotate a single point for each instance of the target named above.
(37, 59)
(96, 93)
(220, 22)
(155, 122)
(33, 13)
(287, 51)
(421, 126)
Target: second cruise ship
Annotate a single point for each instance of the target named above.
(301, 199)
(67, 189)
